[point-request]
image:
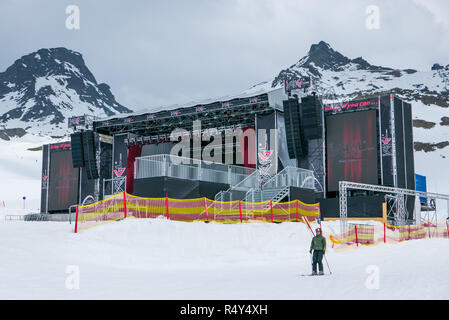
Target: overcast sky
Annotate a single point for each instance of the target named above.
(155, 53)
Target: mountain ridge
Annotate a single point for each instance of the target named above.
(40, 90)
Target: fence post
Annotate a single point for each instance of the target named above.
(205, 207)
(271, 209)
(166, 207)
(356, 237)
(240, 211)
(447, 228)
(76, 220)
(124, 203)
(385, 233)
(297, 210)
(319, 212)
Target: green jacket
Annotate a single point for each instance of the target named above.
(318, 243)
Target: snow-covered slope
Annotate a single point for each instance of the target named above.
(21, 167)
(42, 89)
(159, 259)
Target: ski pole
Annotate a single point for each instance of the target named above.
(311, 260)
(327, 264)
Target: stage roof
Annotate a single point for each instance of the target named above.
(225, 111)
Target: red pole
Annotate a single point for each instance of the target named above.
(385, 233)
(271, 209)
(409, 231)
(240, 210)
(428, 223)
(124, 202)
(205, 207)
(356, 237)
(297, 210)
(76, 220)
(166, 207)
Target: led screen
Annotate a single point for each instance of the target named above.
(351, 148)
(63, 186)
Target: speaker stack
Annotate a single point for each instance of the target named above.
(310, 117)
(84, 152)
(296, 143)
(90, 158)
(76, 140)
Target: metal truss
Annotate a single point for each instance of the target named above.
(79, 123)
(392, 205)
(399, 193)
(242, 114)
(428, 213)
(113, 186)
(396, 210)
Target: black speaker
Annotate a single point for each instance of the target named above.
(294, 133)
(310, 117)
(89, 151)
(76, 140)
(105, 160)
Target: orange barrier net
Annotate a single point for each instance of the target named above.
(385, 233)
(108, 210)
(124, 205)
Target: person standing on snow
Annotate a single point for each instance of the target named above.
(318, 246)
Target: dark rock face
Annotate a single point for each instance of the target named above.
(417, 123)
(444, 121)
(47, 86)
(436, 66)
(429, 147)
(7, 134)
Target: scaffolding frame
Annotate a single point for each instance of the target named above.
(400, 215)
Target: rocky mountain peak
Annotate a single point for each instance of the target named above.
(42, 89)
(322, 55)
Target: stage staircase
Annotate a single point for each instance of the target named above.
(239, 190)
(275, 189)
(267, 194)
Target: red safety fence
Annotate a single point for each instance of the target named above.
(108, 210)
(124, 205)
(385, 233)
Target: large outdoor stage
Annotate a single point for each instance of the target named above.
(271, 146)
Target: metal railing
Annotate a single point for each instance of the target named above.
(166, 165)
(12, 217)
(292, 177)
(251, 181)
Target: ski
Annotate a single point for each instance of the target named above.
(313, 275)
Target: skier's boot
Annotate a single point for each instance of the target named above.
(313, 273)
(321, 273)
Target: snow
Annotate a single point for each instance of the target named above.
(159, 259)
(21, 172)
